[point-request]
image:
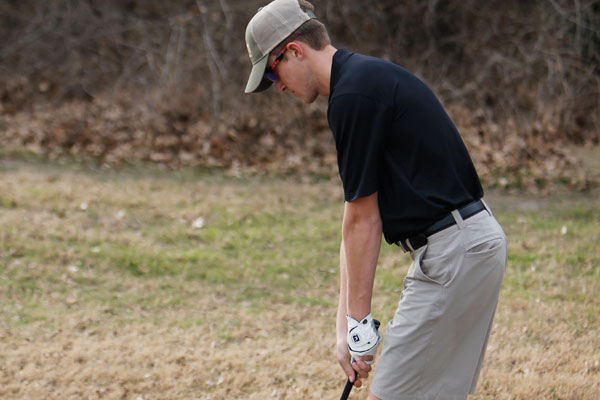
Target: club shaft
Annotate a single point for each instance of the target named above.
(347, 390)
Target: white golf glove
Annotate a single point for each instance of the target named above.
(363, 337)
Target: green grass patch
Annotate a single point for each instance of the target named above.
(94, 237)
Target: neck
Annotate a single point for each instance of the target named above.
(320, 65)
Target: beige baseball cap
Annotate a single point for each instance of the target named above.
(269, 27)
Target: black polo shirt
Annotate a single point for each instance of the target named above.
(393, 137)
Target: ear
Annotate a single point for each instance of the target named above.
(296, 49)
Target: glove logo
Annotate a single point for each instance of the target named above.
(356, 338)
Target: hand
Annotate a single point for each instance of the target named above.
(355, 370)
(363, 338)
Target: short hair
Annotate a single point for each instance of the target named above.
(312, 32)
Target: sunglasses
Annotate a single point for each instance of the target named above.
(270, 70)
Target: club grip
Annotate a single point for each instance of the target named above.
(349, 384)
(347, 390)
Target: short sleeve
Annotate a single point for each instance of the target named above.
(358, 124)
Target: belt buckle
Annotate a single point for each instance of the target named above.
(406, 245)
(405, 248)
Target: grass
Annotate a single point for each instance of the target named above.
(109, 290)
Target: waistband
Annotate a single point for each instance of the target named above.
(414, 242)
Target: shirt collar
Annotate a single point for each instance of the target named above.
(339, 58)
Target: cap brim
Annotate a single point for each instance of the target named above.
(257, 81)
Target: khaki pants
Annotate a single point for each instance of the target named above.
(434, 346)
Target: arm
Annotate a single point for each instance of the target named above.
(341, 323)
(361, 234)
(362, 231)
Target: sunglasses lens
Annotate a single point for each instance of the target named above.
(272, 76)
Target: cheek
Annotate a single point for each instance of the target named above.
(287, 78)
(290, 76)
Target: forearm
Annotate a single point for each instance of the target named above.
(362, 242)
(341, 322)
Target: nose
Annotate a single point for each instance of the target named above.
(280, 86)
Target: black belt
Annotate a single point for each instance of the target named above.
(417, 241)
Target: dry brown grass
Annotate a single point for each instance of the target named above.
(77, 322)
(92, 357)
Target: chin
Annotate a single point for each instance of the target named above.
(310, 99)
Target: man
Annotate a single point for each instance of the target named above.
(407, 174)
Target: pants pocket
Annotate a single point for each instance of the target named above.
(487, 247)
(420, 270)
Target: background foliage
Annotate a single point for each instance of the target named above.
(163, 81)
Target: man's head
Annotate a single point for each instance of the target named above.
(278, 30)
